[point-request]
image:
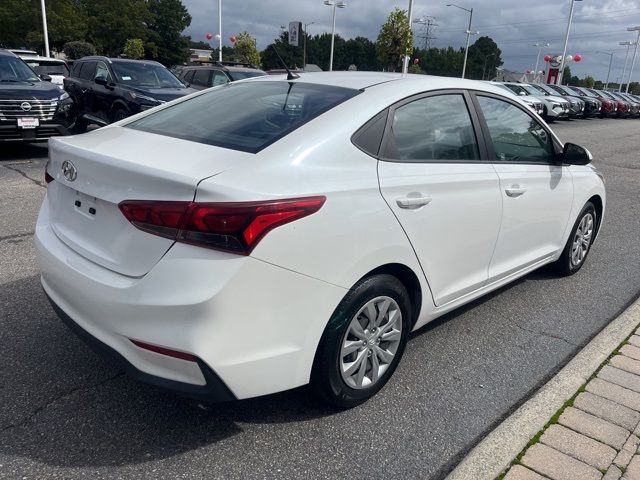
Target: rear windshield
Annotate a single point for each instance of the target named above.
(48, 68)
(244, 116)
(242, 74)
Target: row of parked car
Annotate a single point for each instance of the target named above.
(554, 102)
(42, 97)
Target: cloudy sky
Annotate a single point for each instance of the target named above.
(599, 25)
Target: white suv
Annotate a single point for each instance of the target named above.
(270, 233)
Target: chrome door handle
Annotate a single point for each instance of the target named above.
(515, 191)
(413, 202)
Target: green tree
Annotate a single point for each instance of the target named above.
(292, 56)
(589, 82)
(484, 58)
(112, 22)
(167, 20)
(21, 22)
(67, 21)
(134, 48)
(245, 49)
(75, 50)
(361, 52)
(395, 39)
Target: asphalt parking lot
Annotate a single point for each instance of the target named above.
(66, 413)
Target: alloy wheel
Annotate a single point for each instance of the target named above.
(582, 240)
(371, 342)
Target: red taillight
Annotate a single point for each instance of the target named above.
(233, 227)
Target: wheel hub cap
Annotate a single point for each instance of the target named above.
(371, 342)
(582, 240)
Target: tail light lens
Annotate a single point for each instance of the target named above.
(233, 227)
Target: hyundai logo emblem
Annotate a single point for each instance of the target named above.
(69, 170)
(26, 106)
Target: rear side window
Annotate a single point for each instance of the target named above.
(256, 114)
(75, 70)
(188, 76)
(437, 128)
(88, 70)
(201, 78)
(218, 78)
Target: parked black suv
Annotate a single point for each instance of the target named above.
(31, 108)
(218, 73)
(109, 89)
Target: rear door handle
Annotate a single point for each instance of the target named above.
(515, 191)
(413, 202)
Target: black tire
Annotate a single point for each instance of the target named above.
(326, 377)
(120, 114)
(79, 127)
(565, 265)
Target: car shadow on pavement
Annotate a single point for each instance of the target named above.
(63, 405)
(22, 151)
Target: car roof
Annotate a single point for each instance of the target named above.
(363, 80)
(117, 60)
(42, 59)
(7, 53)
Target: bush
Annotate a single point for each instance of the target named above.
(75, 50)
(134, 49)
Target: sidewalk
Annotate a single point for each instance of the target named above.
(595, 435)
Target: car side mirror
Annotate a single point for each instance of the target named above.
(45, 77)
(101, 81)
(576, 155)
(522, 94)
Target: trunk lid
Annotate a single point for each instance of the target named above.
(115, 164)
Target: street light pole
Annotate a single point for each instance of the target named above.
(469, 33)
(540, 47)
(606, 85)
(304, 43)
(566, 43)
(405, 60)
(44, 28)
(334, 4)
(220, 30)
(635, 52)
(626, 59)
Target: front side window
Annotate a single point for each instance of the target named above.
(435, 128)
(102, 71)
(516, 136)
(254, 114)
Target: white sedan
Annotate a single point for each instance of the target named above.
(267, 234)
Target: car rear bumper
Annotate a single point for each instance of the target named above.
(213, 389)
(254, 324)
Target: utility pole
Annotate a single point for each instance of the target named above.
(635, 52)
(606, 85)
(405, 61)
(566, 43)
(626, 60)
(304, 48)
(428, 24)
(44, 28)
(219, 30)
(540, 47)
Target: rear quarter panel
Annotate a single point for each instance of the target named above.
(355, 231)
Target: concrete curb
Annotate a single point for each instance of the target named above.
(494, 454)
